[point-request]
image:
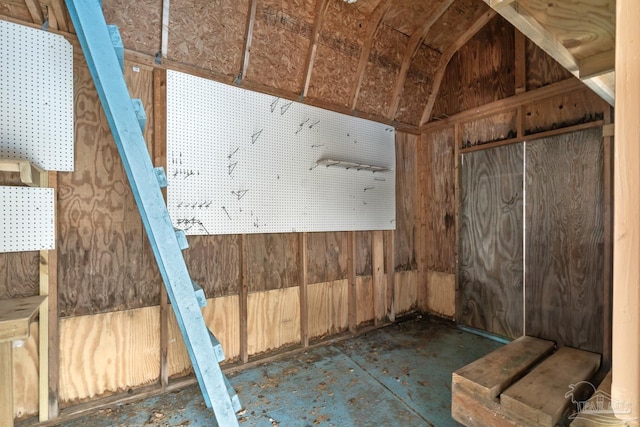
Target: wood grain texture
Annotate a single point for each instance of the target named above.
(490, 129)
(441, 294)
(379, 277)
(16, 11)
(490, 256)
(381, 71)
(541, 69)
(405, 239)
(272, 261)
(104, 261)
(480, 72)
(139, 22)
(280, 39)
(214, 263)
(328, 308)
(327, 256)
(220, 315)
(364, 286)
(208, 35)
(439, 202)
(456, 20)
(418, 85)
(565, 239)
(405, 292)
(108, 352)
(339, 48)
(363, 253)
(567, 110)
(25, 375)
(274, 319)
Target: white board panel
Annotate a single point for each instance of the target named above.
(36, 94)
(27, 218)
(245, 162)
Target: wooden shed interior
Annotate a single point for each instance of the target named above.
(504, 124)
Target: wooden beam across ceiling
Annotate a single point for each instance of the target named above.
(35, 10)
(446, 57)
(415, 41)
(321, 9)
(516, 13)
(376, 19)
(248, 35)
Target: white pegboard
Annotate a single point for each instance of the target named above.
(36, 94)
(27, 218)
(245, 162)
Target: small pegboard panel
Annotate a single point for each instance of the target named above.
(36, 94)
(245, 162)
(27, 217)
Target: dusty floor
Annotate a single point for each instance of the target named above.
(396, 376)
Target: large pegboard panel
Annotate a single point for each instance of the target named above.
(36, 94)
(27, 218)
(245, 162)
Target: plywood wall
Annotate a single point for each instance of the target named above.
(490, 276)
(565, 240)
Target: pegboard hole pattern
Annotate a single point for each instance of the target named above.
(36, 94)
(27, 218)
(245, 162)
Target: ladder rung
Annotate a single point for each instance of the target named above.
(118, 46)
(182, 239)
(200, 296)
(138, 107)
(161, 177)
(217, 347)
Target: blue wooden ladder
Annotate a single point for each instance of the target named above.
(103, 50)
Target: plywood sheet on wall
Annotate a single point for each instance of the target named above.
(327, 307)
(273, 319)
(441, 293)
(339, 48)
(489, 129)
(272, 261)
(382, 71)
(565, 239)
(439, 204)
(540, 68)
(221, 316)
(25, 374)
(104, 262)
(406, 200)
(490, 258)
(480, 72)
(405, 291)
(214, 263)
(19, 274)
(418, 85)
(280, 40)
(139, 22)
(326, 256)
(208, 35)
(363, 253)
(108, 352)
(364, 304)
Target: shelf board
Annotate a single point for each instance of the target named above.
(351, 165)
(30, 174)
(15, 316)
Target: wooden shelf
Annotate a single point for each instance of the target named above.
(30, 174)
(15, 316)
(352, 165)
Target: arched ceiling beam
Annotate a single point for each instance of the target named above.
(248, 35)
(446, 57)
(415, 41)
(376, 19)
(35, 10)
(321, 9)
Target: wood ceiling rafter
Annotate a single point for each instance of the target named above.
(35, 10)
(446, 57)
(321, 9)
(597, 72)
(415, 41)
(248, 35)
(60, 12)
(376, 19)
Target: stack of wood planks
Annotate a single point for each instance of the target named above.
(524, 383)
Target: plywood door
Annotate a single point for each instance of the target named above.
(490, 257)
(565, 239)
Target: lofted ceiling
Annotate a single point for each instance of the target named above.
(384, 59)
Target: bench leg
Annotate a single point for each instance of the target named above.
(6, 386)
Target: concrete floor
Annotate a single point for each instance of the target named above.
(396, 376)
